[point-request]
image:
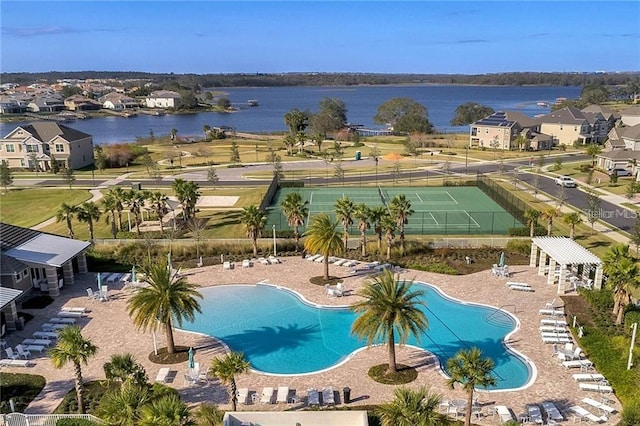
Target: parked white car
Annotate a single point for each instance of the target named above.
(565, 181)
(619, 172)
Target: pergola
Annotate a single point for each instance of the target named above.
(564, 260)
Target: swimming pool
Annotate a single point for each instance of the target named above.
(279, 333)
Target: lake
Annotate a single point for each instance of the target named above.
(362, 103)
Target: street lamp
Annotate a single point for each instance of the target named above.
(274, 240)
(466, 158)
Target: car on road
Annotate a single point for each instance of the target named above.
(618, 172)
(566, 181)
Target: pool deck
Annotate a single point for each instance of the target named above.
(109, 327)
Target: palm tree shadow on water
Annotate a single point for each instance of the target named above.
(266, 340)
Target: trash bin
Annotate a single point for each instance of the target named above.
(358, 155)
(346, 395)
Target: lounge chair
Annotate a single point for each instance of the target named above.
(189, 380)
(163, 374)
(32, 348)
(599, 405)
(273, 260)
(583, 413)
(319, 259)
(104, 293)
(577, 353)
(283, 394)
(313, 257)
(72, 309)
(47, 326)
(534, 413)
(226, 265)
(522, 288)
(23, 352)
(555, 334)
(242, 394)
(313, 397)
(516, 284)
(263, 261)
(586, 377)
(267, 395)
(246, 263)
(340, 262)
(91, 294)
(577, 363)
(328, 397)
(15, 363)
(595, 387)
(553, 312)
(550, 305)
(11, 354)
(339, 290)
(45, 335)
(552, 411)
(552, 329)
(557, 323)
(57, 320)
(39, 342)
(556, 339)
(504, 414)
(70, 314)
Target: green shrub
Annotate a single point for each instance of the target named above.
(601, 300)
(22, 388)
(524, 231)
(436, 267)
(518, 246)
(631, 414)
(584, 167)
(631, 316)
(75, 422)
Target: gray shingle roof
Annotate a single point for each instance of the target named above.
(566, 115)
(10, 266)
(45, 131)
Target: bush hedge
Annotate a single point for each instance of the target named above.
(525, 231)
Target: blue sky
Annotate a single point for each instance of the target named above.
(324, 36)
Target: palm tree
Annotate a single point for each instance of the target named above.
(118, 194)
(110, 205)
(377, 214)
(208, 415)
(168, 298)
(226, 369)
(123, 367)
(159, 205)
(168, 410)
(295, 210)
(88, 212)
(344, 210)
(173, 133)
(73, 348)
(363, 213)
(66, 212)
(549, 214)
(593, 150)
(622, 272)
(412, 408)
(135, 201)
(388, 226)
(187, 194)
(470, 369)
(324, 238)
(390, 306)
(401, 209)
(532, 216)
(122, 406)
(572, 219)
(254, 221)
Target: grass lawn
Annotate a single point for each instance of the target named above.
(573, 170)
(29, 206)
(22, 388)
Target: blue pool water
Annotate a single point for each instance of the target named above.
(280, 334)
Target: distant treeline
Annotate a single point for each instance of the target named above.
(196, 81)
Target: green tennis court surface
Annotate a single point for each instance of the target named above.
(438, 210)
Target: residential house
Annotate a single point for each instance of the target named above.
(610, 115)
(11, 105)
(630, 116)
(46, 104)
(81, 103)
(162, 99)
(118, 101)
(569, 125)
(622, 150)
(33, 259)
(501, 129)
(40, 143)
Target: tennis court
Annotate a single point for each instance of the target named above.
(437, 210)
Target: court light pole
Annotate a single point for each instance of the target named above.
(274, 240)
(466, 158)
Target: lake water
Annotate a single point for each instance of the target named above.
(362, 103)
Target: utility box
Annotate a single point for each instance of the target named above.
(346, 395)
(136, 186)
(358, 155)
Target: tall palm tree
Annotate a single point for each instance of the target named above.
(324, 238)
(400, 208)
(168, 410)
(470, 369)
(66, 212)
(593, 150)
(622, 273)
(377, 215)
(118, 194)
(344, 210)
(549, 214)
(572, 219)
(187, 194)
(168, 298)
(89, 212)
(388, 226)
(226, 369)
(109, 203)
(295, 210)
(121, 406)
(73, 348)
(254, 221)
(532, 216)
(363, 213)
(391, 306)
(159, 205)
(123, 367)
(135, 200)
(412, 408)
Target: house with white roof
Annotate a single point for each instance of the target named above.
(118, 101)
(162, 99)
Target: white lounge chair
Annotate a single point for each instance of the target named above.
(267, 395)
(517, 284)
(587, 377)
(70, 314)
(582, 413)
(312, 258)
(556, 339)
(595, 387)
(15, 363)
(522, 288)
(246, 263)
(104, 293)
(552, 411)
(263, 261)
(56, 320)
(23, 352)
(550, 305)
(283, 394)
(227, 265)
(552, 329)
(599, 405)
(555, 334)
(47, 326)
(11, 354)
(189, 380)
(34, 348)
(72, 309)
(504, 414)
(328, 397)
(39, 342)
(577, 363)
(557, 323)
(91, 294)
(577, 353)
(340, 262)
(45, 335)
(534, 413)
(553, 312)
(273, 260)
(242, 394)
(313, 397)
(339, 290)
(163, 374)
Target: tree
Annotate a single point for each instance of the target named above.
(593, 206)
(66, 213)
(389, 226)
(276, 163)
(622, 273)
(212, 176)
(68, 176)
(561, 196)
(187, 194)
(549, 214)
(89, 212)
(338, 171)
(470, 369)
(159, 203)
(208, 415)
(536, 183)
(168, 298)
(594, 94)
(344, 211)
(296, 120)
(135, 200)
(400, 208)
(404, 115)
(196, 228)
(235, 153)
(205, 131)
(110, 206)
(167, 410)
(226, 369)
(331, 117)
(123, 367)
(173, 133)
(593, 150)
(223, 103)
(6, 175)
(470, 112)
(121, 406)
(362, 213)
(55, 166)
(148, 163)
(296, 211)
(73, 348)
(377, 215)
(324, 238)
(254, 221)
(572, 219)
(118, 194)
(630, 190)
(391, 306)
(411, 408)
(532, 216)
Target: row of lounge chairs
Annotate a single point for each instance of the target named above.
(285, 395)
